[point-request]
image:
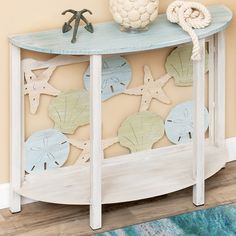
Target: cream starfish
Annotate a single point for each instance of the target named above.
(85, 146)
(37, 85)
(152, 89)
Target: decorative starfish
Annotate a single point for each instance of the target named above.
(152, 89)
(37, 85)
(85, 146)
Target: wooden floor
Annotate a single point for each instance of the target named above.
(40, 219)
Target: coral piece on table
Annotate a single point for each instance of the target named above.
(45, 150)
(85, 146)
(37, 85)
(116, 76)
(180, 66)
(179, 123)
(140, 131)
(70, 110)
(152, 89)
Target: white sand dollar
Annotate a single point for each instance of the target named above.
(134, 14)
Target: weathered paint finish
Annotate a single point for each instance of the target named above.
(109, 183)
(151, 89)
(179, 123)
(180, 66)
(116, 76)
(126, 178)
(140, 131)
(69, 110)
(107, 38)
(46, 149)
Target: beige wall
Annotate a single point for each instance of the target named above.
(27, 15)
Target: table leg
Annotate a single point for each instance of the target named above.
(211, 90)
(96, 142)
(16, 128)
(199, 134)
(220, 89)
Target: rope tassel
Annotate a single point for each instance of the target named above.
(190, 16)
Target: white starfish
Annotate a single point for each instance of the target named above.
(151, 89)
(85, 146)
(37, 85)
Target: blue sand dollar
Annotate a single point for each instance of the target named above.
(46, 149)
(116, 76)
(179, 123)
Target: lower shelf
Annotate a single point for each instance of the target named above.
(126, 178)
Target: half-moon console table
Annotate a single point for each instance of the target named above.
(139, 175)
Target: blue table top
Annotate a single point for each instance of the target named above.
(107, 38)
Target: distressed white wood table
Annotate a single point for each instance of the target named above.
(135, 176)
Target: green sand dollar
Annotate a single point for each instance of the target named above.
(70, 110)
(180, 66)
(140, 131)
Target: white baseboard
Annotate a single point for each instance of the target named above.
(231, 146)
(4, 188)
(4, 196)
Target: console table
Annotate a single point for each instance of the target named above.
(138, 175)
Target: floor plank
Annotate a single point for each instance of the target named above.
(39, 219)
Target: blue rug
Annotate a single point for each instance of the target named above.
(219, 221)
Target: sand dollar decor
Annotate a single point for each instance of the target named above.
(179, 123)
(69, 110)
(45, 150)
(140, 131)
(134, 14)
(180, 66)
(116, 76)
